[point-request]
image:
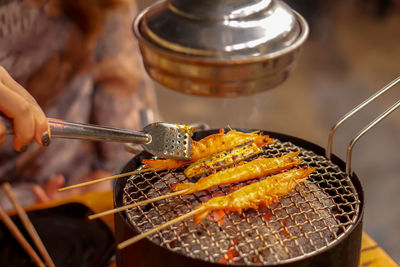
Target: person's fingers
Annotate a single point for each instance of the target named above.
(56, 182)
(50, 190)
(40, 194)
(2, 133)
(10, 83)
(17, 108)
(40, 121)
(23, 131)
(41, 125)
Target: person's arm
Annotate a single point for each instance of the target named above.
(29, 121)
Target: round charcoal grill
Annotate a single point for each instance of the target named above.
(317, 224)
(317, 216)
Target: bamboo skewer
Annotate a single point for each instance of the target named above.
(133, 205)
(105, 179)
(270, 191)
(135, 239)
(94, 216)
(28, 225)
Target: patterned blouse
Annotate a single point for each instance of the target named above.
(81, 63)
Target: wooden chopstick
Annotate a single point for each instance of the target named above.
(28, 225)
(20, 238)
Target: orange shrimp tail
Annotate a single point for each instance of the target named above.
(197, 218)
(184, 186)
(162, 164)
(263, 140)
(291, 154)
(291, 157)
(307, 173)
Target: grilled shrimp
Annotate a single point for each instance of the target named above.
(251, 196)
(210, 145)
(222, 159)
(256, 168)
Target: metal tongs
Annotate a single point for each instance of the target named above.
(161, 139)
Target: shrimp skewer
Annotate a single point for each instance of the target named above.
(210, 145)
(264, 192)
(222, 159)
(251, 196)
(207, 146)
(254, 169)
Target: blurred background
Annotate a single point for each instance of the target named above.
(353, 50)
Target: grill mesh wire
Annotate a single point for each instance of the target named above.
(314, 216)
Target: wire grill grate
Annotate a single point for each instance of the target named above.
(314, 216)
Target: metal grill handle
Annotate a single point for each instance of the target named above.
(365, 129)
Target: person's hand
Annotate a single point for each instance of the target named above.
(16, 103)
(49, 191)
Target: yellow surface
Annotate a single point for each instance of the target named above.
(97, 201)
(371, 254)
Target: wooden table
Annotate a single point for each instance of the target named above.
(372, 255)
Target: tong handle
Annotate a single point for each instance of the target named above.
(372, 124)
(73, 130)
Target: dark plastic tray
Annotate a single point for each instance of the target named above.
(69, 236)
